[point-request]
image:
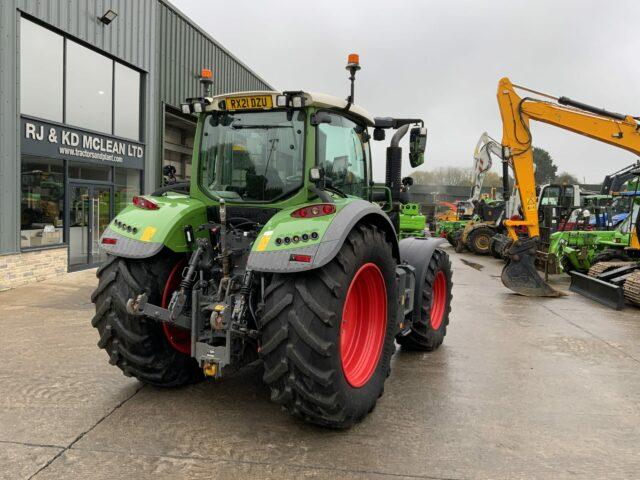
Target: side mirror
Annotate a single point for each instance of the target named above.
(320, 117)
(417, 146)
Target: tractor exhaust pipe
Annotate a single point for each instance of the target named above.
(394, 163)
(520, 274)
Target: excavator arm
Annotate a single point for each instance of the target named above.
(615, 129)
(485, 147)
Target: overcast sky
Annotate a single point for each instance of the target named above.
(441, 60)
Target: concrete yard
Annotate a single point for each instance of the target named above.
(522, 388)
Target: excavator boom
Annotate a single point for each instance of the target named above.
(612, 128)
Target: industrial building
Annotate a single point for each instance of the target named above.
(89, 100)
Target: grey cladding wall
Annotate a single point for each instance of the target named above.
(150, 35)
(185, 50)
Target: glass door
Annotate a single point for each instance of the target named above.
(100, 218)
(89, 214)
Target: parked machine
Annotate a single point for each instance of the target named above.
(519, 274)
(595, 233)
(614, 275)
(276, 253)
(469, 211)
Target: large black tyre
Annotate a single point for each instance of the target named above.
(451, 238)
(494, 248)
(302, 329)
(136, 344)
(457, 241)
(425, 334)
(479, 240)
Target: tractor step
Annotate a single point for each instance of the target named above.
(603, 292)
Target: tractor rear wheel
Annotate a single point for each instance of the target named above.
(479, 240)
(428, 333)
(327, 335)
(139, 346)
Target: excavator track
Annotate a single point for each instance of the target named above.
(602, 267)
(631, 288)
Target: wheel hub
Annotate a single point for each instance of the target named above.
(438, 299)
(364, 325)
(178, 338)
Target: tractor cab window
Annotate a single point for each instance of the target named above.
(342, 154)
(252, 156)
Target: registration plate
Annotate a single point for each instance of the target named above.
(249, 103)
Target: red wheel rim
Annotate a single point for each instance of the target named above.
(364, 323)
(438, 299)
(179, 338)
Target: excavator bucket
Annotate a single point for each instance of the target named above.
(520, 274)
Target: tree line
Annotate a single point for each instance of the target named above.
(546, 172)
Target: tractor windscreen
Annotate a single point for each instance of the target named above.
(252, 156)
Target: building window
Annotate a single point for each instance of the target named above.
(89, 171)
(42, 202)
(41, 71)
(89, 89)
(127, 187)
(179, 133)
(126, 103)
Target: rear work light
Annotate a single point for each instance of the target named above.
(311, 211)
(145, 203)
(109, 241)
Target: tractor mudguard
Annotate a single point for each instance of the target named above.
(272, 253)
(141, 233)
(417, 252)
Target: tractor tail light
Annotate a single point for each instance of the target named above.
(145, 203)
(109, 241)
(311, 211)
(300, 258)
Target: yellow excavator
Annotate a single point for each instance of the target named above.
(618, 130)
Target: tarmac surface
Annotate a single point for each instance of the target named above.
(521, 388)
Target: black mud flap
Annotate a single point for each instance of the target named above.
(520, 274)
(602, 292)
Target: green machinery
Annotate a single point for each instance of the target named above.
(412, 222)
(468, 217)
(278, 252)
(579, 250)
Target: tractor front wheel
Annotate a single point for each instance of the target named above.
(429, 331)
(479, 240)
(327, 335)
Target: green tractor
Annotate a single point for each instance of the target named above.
(589, 238)
(412, 222)
(579, 250)
(279, 253)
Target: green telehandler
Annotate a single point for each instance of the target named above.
(279, 252)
